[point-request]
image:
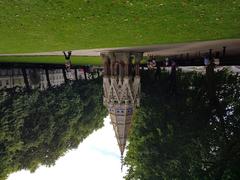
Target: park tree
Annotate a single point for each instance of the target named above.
(37, 127)
(47, 77)
(189, 132)
(25, 77)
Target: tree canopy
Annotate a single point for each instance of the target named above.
(37, 127)
(189, 130)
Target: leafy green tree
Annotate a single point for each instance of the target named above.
(37, 127)
(189, 132)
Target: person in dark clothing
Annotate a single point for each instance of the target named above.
(67, 55)
(67, 59)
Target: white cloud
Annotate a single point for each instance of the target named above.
(97, 157)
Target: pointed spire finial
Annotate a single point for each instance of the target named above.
(121, 162)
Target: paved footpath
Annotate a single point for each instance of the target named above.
(232, 46)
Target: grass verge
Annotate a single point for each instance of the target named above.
(51, 59)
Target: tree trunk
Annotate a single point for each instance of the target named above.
(98, 74)
(47, 77)
(211, 86)
(64, 75)
(85, 75)
(173, 79)
(25, 78)
(158, 72)
(76, 75)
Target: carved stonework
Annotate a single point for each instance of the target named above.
(121, 84)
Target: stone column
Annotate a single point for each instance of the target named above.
(115, 73)
(124, 57)
(112, 59)
(138, 58)
(121, 70)
(106, 64)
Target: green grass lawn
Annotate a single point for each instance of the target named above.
(76, 60)
(52, 59)
(50, 25)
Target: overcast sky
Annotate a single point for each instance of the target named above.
(97, 157)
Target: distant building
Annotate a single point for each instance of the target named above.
(55, 76)
(121, 84)
(10, 78)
